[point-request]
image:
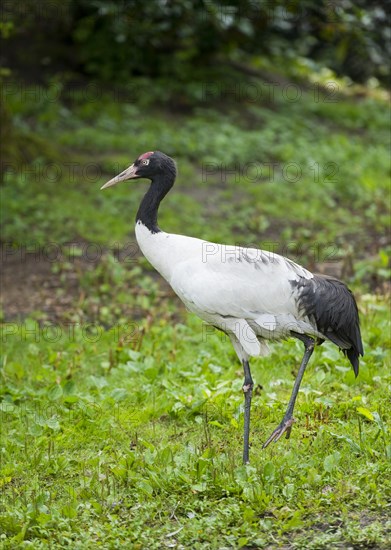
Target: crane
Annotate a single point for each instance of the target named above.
(251, 295)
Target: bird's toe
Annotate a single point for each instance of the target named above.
(284, 427)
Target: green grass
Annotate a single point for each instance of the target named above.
(122, 418)
(107, 445)
(330, 164)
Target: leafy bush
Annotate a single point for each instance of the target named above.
(116, 40)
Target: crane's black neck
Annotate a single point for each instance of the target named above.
(148, 209)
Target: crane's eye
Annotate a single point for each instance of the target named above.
(145, 162)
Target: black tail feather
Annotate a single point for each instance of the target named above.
(353, 357)
(332, 306)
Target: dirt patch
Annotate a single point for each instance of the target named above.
(46, 283)
(29, 283)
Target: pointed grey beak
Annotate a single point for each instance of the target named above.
(128, 174)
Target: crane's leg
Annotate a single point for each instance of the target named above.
(288, 420)
(248, 391)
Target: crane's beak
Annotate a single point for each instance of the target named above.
(128, 174)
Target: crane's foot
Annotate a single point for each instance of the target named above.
(284, 427)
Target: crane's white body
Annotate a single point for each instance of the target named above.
(245, 292)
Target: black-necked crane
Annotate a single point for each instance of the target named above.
(251, 295)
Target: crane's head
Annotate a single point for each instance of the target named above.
(148, 165)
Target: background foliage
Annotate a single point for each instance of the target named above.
(115, 40)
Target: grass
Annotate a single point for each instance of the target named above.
(107, 445)
(122, 415)
(248, 155)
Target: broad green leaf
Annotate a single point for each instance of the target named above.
(55, 392)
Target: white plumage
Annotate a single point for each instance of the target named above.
(245, 292)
